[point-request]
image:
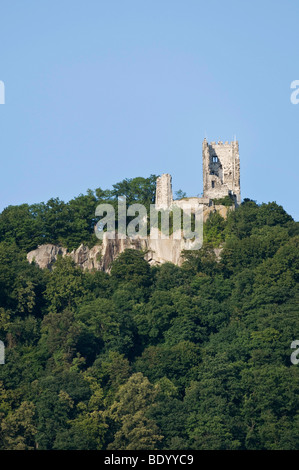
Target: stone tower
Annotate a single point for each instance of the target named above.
(164, 198)
(221, 170)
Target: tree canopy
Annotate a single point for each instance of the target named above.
(164, 357)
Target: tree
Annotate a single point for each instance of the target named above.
(60, 335)
(178, 363)
(20, 226)
(131, 267)
(141, 190)
(132, 402)
(88, 429)
(65, 287)
(18, 428)
(102, 322)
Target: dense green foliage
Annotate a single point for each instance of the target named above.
(168, 357)
(69, 224)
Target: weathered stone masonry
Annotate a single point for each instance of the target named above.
(221, 170)
(221, 177)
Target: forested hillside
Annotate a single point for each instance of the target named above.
(168, 357)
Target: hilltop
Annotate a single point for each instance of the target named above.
(195, 356)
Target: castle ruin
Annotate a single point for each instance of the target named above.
(164, 197)
(221, 178)
(221, 170)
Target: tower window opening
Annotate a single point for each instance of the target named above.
(215, 159)
(213, 184)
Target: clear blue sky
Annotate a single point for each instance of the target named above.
(98, 91)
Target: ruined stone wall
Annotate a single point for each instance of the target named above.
(221, 170)
(164, 196)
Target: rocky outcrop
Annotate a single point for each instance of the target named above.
(46, 255)
(101, 256)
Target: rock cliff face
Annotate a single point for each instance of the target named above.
(102, 255)
(46, 255)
